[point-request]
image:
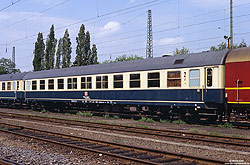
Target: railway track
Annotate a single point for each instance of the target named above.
(225, 140)
(131, 153)
(4, 161)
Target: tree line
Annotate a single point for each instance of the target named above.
(221, 46)
(47, 57)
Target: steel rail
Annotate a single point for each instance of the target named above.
(148, 131)
(4, 161)
(164, 154)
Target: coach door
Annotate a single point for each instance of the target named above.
(208, 75)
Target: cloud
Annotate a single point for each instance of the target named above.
(109, 28)
(131, 1)
(168, 41)
(112, 26)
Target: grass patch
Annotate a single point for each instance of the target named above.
(116, 117)
(165, 121)
(4, 128)
(79, 113)
(150, 120)
(43, 111)
(226, 125)
(88, 114)
(30, 110)
(132, 119)
(194, 131)
(141, 126)
(143, 119)
(179, 122)
(214, 134)
(117, 140)
(106, 116)
(101, 122)
(67, 114)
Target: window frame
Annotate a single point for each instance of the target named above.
(134, 80)
(158, 80)
(174, 78)
(86, 82)
(34, 85)
(102, 83)
(117, 81)
(72, 83)
(60, 85)
(9, 86)
(51, 85)
(194, 78)
(43, 85)
(3, 86)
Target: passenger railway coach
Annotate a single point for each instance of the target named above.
(192, 85)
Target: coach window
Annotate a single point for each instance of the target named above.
(17, 85)
(154, 79)
(135, 81)
(194, 78)
(27, 85)
(34, 85)
(60, 83)
(209, 77)
(42, 84)
(174, 79)
(9, 86)
(14, 85)
(72, 83)
(101, 82)
(3, 86)
(51, 84)
(118, 81)
(86, 83)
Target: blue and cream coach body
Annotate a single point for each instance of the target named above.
(193, 80)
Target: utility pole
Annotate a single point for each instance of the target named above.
(231, 23)
(149, 48)
(14, 55)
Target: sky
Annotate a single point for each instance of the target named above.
(120, 27)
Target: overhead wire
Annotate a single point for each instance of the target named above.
(93, 18)
(12, 3)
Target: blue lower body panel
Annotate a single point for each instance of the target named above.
(178, 97)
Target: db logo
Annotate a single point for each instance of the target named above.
(86, 94)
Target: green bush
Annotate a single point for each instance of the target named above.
(106, 116)
(43, 111)
(79, 113)
(226, 125)
(143, 119)
(116, 117)
(179, 122)
(150, 120)
(165, 121)
(88, 114)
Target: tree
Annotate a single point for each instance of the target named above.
(223, 46)
(242, 44)
(123, 58)
(181, 51)
(38, 61)
(67, 50)
(59, 53)
(8, 67)
(80, 48)
(87, 54)
(50, 49)
(93, 59)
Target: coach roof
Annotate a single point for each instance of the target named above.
(12, 77)
(170, 62)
